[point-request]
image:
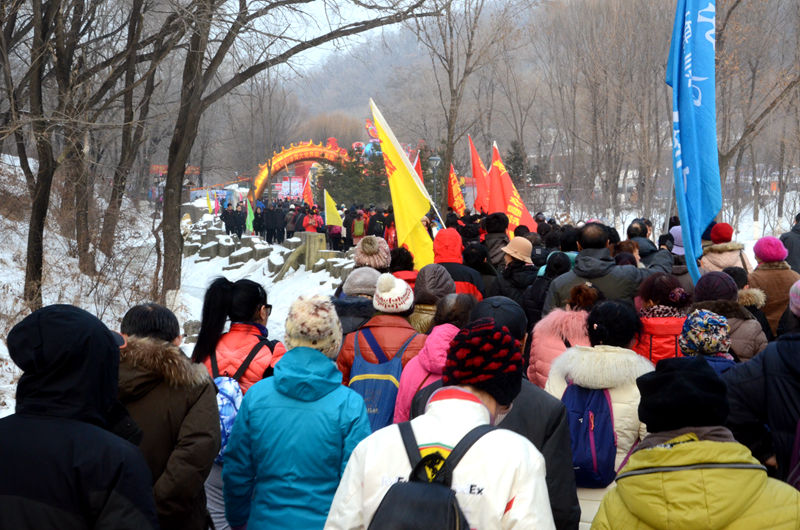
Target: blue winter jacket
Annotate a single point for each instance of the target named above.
(290, 444)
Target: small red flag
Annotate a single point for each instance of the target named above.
(481, 181)
(455, 199)
(504, 197)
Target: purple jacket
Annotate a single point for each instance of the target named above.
(423, 369)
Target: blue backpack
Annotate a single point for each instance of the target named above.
(592, 435)
(377, 383)
(229, 393)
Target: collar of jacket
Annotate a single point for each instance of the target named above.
(726, 308)
(600, 366)
(384, 320)
(716, 433)
(723, 247)
(162, 360)
(773, 266)
(243, 326)
(454, 403)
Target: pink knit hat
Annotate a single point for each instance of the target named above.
(769, 249)
(373, 252)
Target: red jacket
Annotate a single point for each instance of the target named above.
(659, 338)
(410, 277)
(447, 248)
(391, 332)
(232, 349)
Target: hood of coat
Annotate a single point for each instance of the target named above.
(726, 308)
(723, 247)
(353, 306)
(145, 362)
(593, 263)
(724, 493)
(447, 246)
(70, 364)
(306, 374)
(563, 323)
(433, 354)
(752, 297)
(520, 274)
(600, 366)
(796, 228)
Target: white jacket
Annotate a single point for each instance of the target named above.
(615, 369)
(499, 483)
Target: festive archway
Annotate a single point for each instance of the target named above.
(299, 152)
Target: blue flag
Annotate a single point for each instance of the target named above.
(691, 74)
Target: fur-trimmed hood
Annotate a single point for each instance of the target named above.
(146, 362)
(727, 308)
(600, 366)
(752, 297)
(723, 247)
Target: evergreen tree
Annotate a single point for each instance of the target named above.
(515, 161)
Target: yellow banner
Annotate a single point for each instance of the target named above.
(332, 216)
(410, 203)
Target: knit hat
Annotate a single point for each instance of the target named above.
(682, 392)
(704, 333)
(432, 284)
(361, 281)
(392, 295)
(677, 237)
(794, 298)
(505, 311)
(769, 249)
(721, 233)
(496, 223)
(373, 252)
(715, 286)
(312, 322)
(485, 355)
(519, 248)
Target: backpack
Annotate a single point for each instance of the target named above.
(379, 228)
(229, 393)
(377, 383)
(336, 230)
(592, 435)
(793, 479)
(358, 228)
(422, 503)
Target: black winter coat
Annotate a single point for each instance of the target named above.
(789, 323)
(542, 419)
(764, 397)
(791, 240)
(61, 468)
(533, 300)
(512, 282)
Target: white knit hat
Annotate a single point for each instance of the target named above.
(312, 322)
(392, 295)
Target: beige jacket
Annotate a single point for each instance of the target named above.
(731, 254)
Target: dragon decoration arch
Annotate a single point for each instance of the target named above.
(299, 152)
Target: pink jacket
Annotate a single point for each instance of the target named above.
(550, 338)
(423, 369)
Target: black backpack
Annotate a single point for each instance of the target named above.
(420, 503)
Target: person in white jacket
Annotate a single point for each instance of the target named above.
(500, 481)
(608, 364)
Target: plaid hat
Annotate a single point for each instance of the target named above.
(373, 252)
(392, 295)
(312, 322)
(682, 392)
(704, 333)
(715, 285)
(486, 356)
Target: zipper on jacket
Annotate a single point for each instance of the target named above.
(591, 441)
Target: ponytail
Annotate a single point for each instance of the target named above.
(216, 307)
(238, 301)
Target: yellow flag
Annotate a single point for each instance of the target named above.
(332, 216)
(410, 203)
(208, 201)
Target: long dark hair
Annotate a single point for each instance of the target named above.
(240, 301)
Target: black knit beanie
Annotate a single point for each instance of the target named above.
(682, 392)
(486, 356)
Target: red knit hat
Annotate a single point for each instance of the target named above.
(486, 356)
(721, 233)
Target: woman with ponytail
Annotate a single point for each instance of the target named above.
(244, 303)
(610, 365)
(663, 312)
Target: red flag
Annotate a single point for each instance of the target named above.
(504, 197)
(308, 197)
(481, 180)
(455, 199)
(418, 168)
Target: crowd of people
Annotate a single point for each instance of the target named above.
(556, 377)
